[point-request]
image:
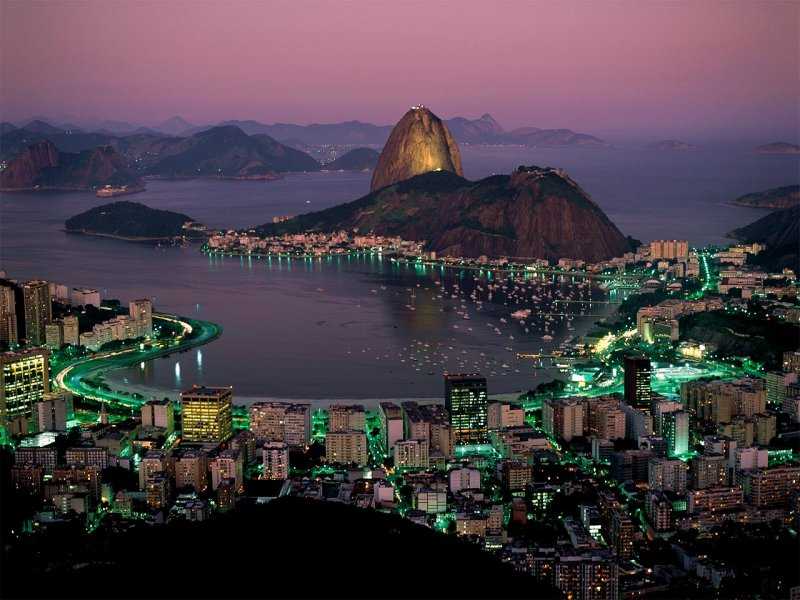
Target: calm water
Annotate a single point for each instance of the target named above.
(344, 329)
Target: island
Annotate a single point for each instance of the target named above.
(774, 198)
(132, 221)
(778, 148)
(675, 145)
(358, 159)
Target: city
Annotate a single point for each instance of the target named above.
(335, 342)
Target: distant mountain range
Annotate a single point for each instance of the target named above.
(483, 130)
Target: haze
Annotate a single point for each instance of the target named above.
(624, 69)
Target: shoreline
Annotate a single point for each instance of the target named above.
(123, 238)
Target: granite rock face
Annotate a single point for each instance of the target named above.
(23, 171)
(419, 143)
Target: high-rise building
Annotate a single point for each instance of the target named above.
(8, 315)
(53, 410)
(84, 297)
(53, 335)
(159, 414)
(142, 311)
(637, 381)
(771, 488)
(191, 467)
(466, 401)
(392, 425)
(227, 465)
(501, 415)
(346, 417)
(275, 458)
(669, 249)
(563, 418)
(411, 454)
(24, 379)
(153, 463)
(622, 533)
(590, 577)
(464, 478)
(287, 422)
(38, 310)
(675, 428)
(431, 422)
(207, 414)
(346, 447)
(667, 475)
(715, 499)
(71, 330)
(709, 470)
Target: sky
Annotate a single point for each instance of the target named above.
(672, 69)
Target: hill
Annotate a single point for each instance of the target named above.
(781, 197)
(281, 549)
(534, 212)
(778, 148)
(780, 231)
(128, 220)
(358, 159)
(42, 166)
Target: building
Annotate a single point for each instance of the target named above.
(346, 447)
(411, 454)
(431, 422)
(53, 410)
(669, 249)
(562, 418)
(622, 534)
(346, 417)
(38, 310)
(392, 425)
(84, 297)
(227, 466)
(157, 491)
(667, 475)
(275, 458)
(53, 335)
(159, 414)
(207, 414)
(638, 422)
(430, 501)
(606, 419)
(637, 381)
(466, 401)
(516, 475)
(501, 415)
(714, 499)
(631, 465)
(659, 511)
(191, 467)
(45, 457)
(709, 470)
(154, 462)
(675, 428)
(288, 422)
(770, 488)
(791, 361)
(8, 315)
(587, 577)
(142, 312)
(87, 455)
(464, 478)
(70, 330)
(24, 379)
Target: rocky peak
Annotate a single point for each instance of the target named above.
(419, 143)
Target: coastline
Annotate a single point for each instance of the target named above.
(135, 239)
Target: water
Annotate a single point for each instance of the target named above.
(317, 329)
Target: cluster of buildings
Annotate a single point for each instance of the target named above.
(311, 244)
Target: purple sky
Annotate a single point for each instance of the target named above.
(624, 68)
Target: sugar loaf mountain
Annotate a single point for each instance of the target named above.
(418, 192)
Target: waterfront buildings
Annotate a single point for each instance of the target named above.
(391, 425)
(345, 447)
(207, 414)
(24, 379)
(288, 422)
(466, 401)
(141, 311)
(38, 310)
(344, 417)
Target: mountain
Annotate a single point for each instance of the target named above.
(225, 151)
(675, 145)
(116, 127)
(534, 213)
(782, 197)
(39, 126)
(420, 142)
(359, 159)
(778, 148)
(6, 127)
(477, 131)
(41, 165)
(780, 231)
(128, 220)
(173, 126)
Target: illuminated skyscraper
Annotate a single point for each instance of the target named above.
(142, 311)
(207, 414)
(637, 381)
(8, 315)
(675, 430)
(466, 400)
(38, 310)
(24, 379)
